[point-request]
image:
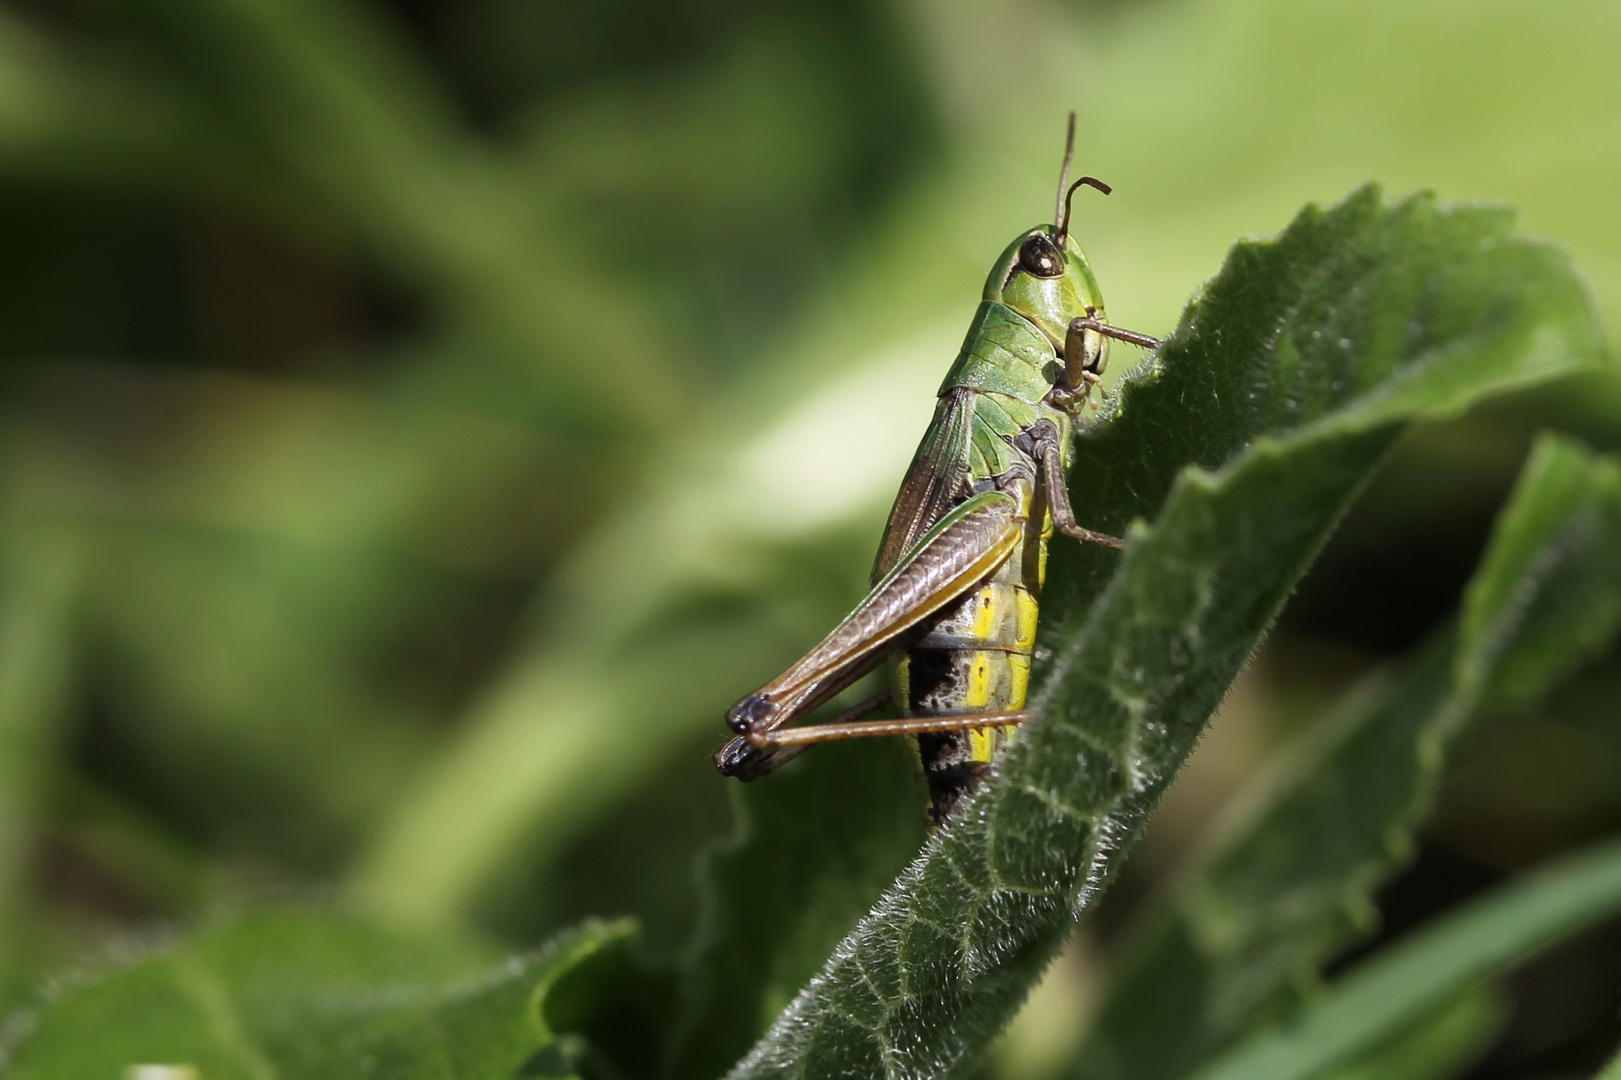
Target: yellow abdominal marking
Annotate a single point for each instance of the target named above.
(986, 611)
(997, 678)
(1028, 611)
(977, 695)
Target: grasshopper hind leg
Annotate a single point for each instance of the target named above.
(749, 760)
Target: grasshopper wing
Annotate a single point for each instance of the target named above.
(968, 543)
(933, 482)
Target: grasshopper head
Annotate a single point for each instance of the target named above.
(1044, 276)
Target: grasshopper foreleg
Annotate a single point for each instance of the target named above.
(1040, 441)
(1109, 330)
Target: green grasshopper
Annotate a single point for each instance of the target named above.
(957, 581)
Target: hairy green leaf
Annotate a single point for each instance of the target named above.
(806, 860)
(1290, 880)
(1420, 972)
(297, 993)
(1286, 382)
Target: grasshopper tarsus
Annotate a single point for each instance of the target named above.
(1088, 536)
(743, 761)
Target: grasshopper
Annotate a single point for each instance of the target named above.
(957, 582)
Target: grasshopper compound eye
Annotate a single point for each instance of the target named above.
(1039, 257)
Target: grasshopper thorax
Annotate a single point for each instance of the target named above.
(1044, 277)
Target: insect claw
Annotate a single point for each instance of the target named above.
(734, 757)
(739, 759)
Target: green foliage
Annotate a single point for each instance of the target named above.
(1308, 356)
(1440, 1043)
(806, 862)
(1373, 1000)
(418, 422)
(307, 993)
(1305, 354)
(1291, 882)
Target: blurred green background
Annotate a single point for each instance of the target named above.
(422, 419)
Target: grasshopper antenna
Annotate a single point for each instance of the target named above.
(1065, 194)
(1063, 173)
(1063, 224)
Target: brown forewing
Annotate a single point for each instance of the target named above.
(936, 480)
